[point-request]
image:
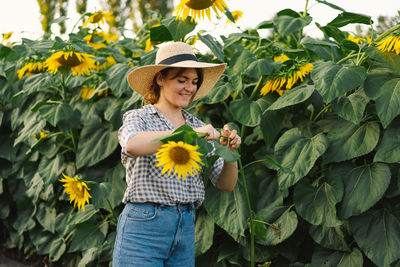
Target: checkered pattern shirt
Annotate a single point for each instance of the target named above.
(145, 183)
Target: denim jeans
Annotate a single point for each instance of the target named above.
(153, 235)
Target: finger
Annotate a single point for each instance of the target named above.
(233, 134)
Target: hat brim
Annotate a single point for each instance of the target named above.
(141, 78)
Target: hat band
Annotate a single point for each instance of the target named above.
(177, 58)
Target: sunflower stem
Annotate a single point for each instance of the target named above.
(241, 169)
(258, 85)
(351, 55)
(386, 33)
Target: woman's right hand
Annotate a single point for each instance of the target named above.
(212, 133)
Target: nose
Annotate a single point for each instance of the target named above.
(189, 86)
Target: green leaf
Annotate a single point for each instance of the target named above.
(317, 205)
(389, 148)
(351, 107)
(364, 186)
(333, 80)
(32, 125)
(226, 153)
(25, 212)
(271, 124)
(118, 185)
(46, 216)
(346, 18)
(57, 249)
(228, 209)
(248, 112)
(100, 193)
(214, 45)
(325, 257)
(96, 142)
(295, 96)
(35, 187)
(178, 28)
(330, 5)
(160, 33)
(204, 229)
(116, 79)
(55, 113)
(281, 229)
(240, 62)
(288, 24)
(259, 68)
(297, 154)
(348, 140)
(219, 93)
(38, 82)
(329, 237)
(388, 103)
(377, 234)
(87, 235)
(374, 81)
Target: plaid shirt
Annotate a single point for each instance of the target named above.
(144, 179)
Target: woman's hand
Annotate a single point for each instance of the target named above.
(233, 137)
(210, 131)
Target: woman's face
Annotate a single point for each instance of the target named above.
(178, 87)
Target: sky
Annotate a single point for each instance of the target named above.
(23, 18)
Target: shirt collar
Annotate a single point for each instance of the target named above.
(153, 110)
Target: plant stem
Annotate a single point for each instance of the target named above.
(351, 55)
(386, 33)
(305, 9)
(258, 85)
(241, 169)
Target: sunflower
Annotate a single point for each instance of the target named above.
(77, 190)
(79, 63)
(86, 92)
(149, 46)
(237, 14)
(180, 157)
(198, 8)
(359, 40)
(110, 60)
(31, 68)
(91, 39)
(6, 36)
(284, 81)
(282, 58)
(390, 44)
(98, 17)
(42, 134)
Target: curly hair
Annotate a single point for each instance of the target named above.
(153, 94)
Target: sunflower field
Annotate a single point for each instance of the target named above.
(319, 165)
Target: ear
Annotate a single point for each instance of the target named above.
(159, 79)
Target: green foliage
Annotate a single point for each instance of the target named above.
(319, 166)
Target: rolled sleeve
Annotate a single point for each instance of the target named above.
(132, 124)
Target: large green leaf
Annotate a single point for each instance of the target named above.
(204, 232)
(329, 237)
(348, 140)
(351, 107)
(325, 257)
(88, 235)
(389, 148)
(228, 209)
(246, 112)
(160, 33)
(96, 142)
(50, 169)
(57, 249)
(258, 68)
(374, 81)
(100, 193)
(214, 45)
(55, 113)
(281, 229)
(377, 234)
(178, 28)
(116, 79)
(317, 205)
(287, 24)
(297, 95)
(32, 125)
(364, 186)
(346, 18)
(46, 216)
(38, 82)
(332, 80)
(240, 62)
(219, 93)
(297, 154)
(388, 103)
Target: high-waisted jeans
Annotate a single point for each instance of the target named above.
(154, 235)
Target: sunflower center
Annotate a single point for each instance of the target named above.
(179, 155)
(71, 61)
(200, 4)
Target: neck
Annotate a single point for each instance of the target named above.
(171, 112)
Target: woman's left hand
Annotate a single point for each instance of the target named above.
(234, 138)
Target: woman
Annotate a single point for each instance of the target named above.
(156, 227)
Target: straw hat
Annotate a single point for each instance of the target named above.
(177, 55)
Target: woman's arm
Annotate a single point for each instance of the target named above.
(141, 144)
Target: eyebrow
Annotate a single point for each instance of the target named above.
(183, 76)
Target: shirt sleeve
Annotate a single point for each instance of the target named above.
(132, 124)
